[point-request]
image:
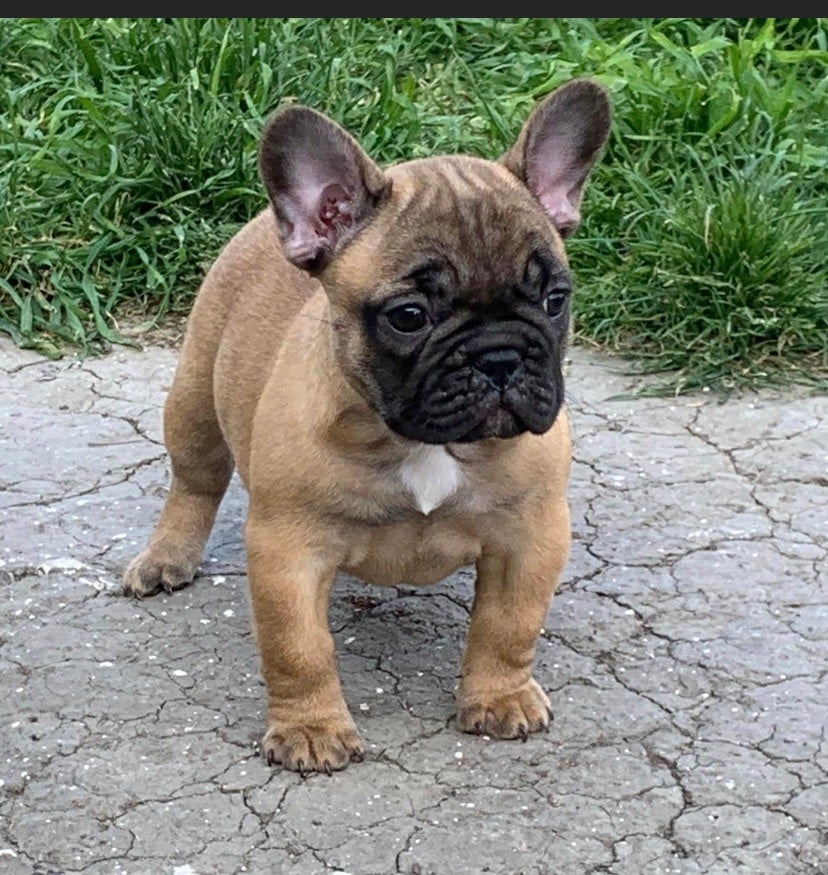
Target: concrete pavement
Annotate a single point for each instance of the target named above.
(685, 656)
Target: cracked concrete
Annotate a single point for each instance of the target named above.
(685, 654)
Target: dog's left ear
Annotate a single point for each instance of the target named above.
(557, 147)
(322, 186)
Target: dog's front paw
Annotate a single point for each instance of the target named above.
(323, 747)
(509, 715)
(155, 570)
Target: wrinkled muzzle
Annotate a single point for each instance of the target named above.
(492, 381)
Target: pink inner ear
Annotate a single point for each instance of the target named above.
(564, 214)
(334, 207)
(317, 221)
(556, 171)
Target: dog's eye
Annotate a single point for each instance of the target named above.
(408, 319)
(555, 301)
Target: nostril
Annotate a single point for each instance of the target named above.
(498, 365)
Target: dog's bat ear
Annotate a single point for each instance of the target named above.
(557, 147)
(321, 184)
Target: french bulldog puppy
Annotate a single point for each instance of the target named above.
(378, 354)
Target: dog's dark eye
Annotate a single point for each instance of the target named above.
(408, 319)
(555, 301)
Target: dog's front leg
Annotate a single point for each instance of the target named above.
(309, 726)
(498, 695)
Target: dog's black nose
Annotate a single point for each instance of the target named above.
(498, 365)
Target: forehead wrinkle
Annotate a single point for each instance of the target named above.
(470, 214)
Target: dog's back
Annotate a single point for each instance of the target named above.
(248, 299)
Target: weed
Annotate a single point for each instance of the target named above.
(127, 158)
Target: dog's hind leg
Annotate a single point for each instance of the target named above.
(201, 469)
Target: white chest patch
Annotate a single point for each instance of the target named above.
(431, 475)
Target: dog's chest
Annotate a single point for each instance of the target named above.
(430, 475)
(415, 544)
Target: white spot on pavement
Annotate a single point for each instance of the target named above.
(61, 563)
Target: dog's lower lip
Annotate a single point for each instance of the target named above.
(501, 404)
(501, 411)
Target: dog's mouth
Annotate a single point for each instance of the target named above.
(485, 410)
(500, 423)
(474, 382)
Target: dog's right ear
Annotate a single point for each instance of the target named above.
(321, 184)
(557, 147)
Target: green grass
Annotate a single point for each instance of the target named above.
(127, 158)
